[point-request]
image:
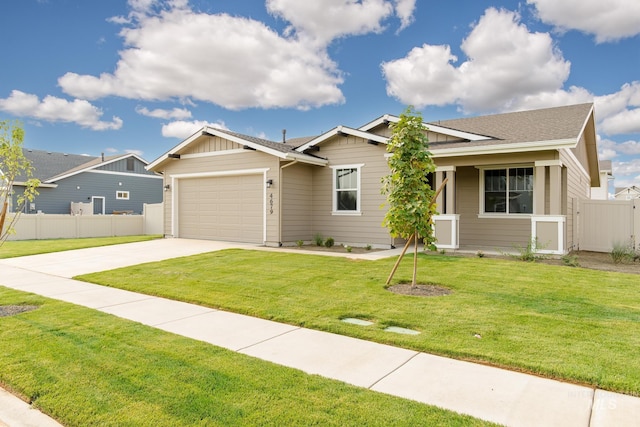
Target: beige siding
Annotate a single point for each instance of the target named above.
(297, 201)
(577, 187)
(361, 229)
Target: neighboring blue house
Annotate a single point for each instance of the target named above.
(106, 185)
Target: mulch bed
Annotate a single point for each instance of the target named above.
(10, 310)
(419, 290)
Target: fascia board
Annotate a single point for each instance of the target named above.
(455, 133)
(307, 159)
(343, 129)
(518, 147)
(41, 185)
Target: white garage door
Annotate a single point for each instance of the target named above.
(228, 208)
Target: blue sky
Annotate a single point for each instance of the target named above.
(118, 76)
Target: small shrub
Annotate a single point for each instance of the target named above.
(443, 252)
(348, 248)
(570, 260)
(299, 243)
(529, 253)
(318, 239)
(480, 254)
(329, 242)
(622, 254)
(368, 247)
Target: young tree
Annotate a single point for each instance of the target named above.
(409, 195)
(14, 166)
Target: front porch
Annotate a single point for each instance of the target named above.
(463, 223)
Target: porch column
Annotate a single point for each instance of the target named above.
(439, 178)
(450, 188)
(539, 189)
(446, 200)
(555, 189)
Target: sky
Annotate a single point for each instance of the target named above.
(118, 76)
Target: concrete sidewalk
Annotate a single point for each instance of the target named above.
(493, 394)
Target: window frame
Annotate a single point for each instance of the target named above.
(483, 213)
(335, 190)
(123, 195)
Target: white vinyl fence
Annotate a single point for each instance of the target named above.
(45, 226)
(603, 224)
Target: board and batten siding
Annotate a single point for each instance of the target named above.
(234, 161)
(362, 229)
(297, 203)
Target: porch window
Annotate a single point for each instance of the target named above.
(508, 191)
(346, 189)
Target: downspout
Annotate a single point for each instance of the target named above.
(280, 200)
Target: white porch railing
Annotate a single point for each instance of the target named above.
(447, 229)
(548, 234)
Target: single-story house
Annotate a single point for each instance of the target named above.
(89, 185)
(627, 193)
(606, 175)
(512, 178)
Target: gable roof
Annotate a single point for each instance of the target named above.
(343, 130)
(49, 166)
(630, 189)
(278, 149)
(552, 125)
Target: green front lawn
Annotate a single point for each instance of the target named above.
(16, 248)
(87, 368)
(569, 323)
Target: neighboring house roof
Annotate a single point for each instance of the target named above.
(49, 166)
(630, 189)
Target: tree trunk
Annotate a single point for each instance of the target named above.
(415, 259)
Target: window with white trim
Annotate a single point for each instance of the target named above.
(346, 189)
(508, 190)
(122, 195)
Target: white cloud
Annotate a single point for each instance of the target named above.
(404, 11)
(230, 61)
(54, 109)
(624, 122)
(627, 173)
(505, 62)
(182, 129)
(158, 113)
(606, 149)
(320, 22)
(608, 20)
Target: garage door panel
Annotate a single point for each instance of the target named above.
(221, 208)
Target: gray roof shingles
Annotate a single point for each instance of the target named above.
(549, 124)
